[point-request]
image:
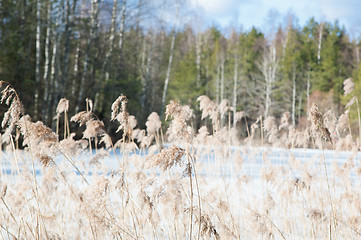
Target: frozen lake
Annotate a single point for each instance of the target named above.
(225, 163)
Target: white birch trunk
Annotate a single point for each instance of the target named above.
(269, 67)
(52, 81)
(139, 7)
(94, 24)
(268, 98)
(46, 64)
(308, 91)
(69, 20)
(198, 58)
(99, 97)
(235, 86)
(285, 42)
(54, 56)
(46, 52)
(319, 43)
(155, 67)
(75, 71)
(165, 89)
(111, 40)
(142, 73)
(37, 69)
(150, 56)
(294, 98)
(142, 55)
(139, 34)
(121, 31)
(147, 72)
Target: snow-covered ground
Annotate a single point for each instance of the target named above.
(257, 190)
(230, 163)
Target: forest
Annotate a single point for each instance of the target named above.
(157, 51)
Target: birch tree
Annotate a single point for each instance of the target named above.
(37, 70)
(294, 96)
(107, 63)
(292, 65)
(235, 87)
(121, 31)
(52, 82)
(75, 71)
(198, 58)
(46, 64)
(69, 21)
(99, 97)
(308, 90)
(269, 67)
(146, 71)
(170, 60)
(166, 82)
(93, 28)
(234, 48)
(319, 45)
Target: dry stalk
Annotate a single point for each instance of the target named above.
(197, 186)
(319, 130)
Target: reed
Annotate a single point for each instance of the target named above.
(201, 183)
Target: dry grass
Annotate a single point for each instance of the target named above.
(195, 186)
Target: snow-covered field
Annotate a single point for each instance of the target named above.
(246, 192)
(231, 163)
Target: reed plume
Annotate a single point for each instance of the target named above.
(178, 129)
(317, 123)
(169, 157)
(10, 97)
(40, 139)
(120, 113)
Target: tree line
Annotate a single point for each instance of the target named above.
(98, 49)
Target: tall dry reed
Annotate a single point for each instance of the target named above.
(189, 183)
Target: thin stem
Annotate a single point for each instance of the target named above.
(65, 125)
(198, 192)
(90, 148)
(191, 207)
(329, 189)
(67, 122)
(11, 214)
(73, 164)
(57, 125)
(15, 156)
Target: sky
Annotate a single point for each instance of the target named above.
(256, 13)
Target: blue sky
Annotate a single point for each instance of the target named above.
(250, 13)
